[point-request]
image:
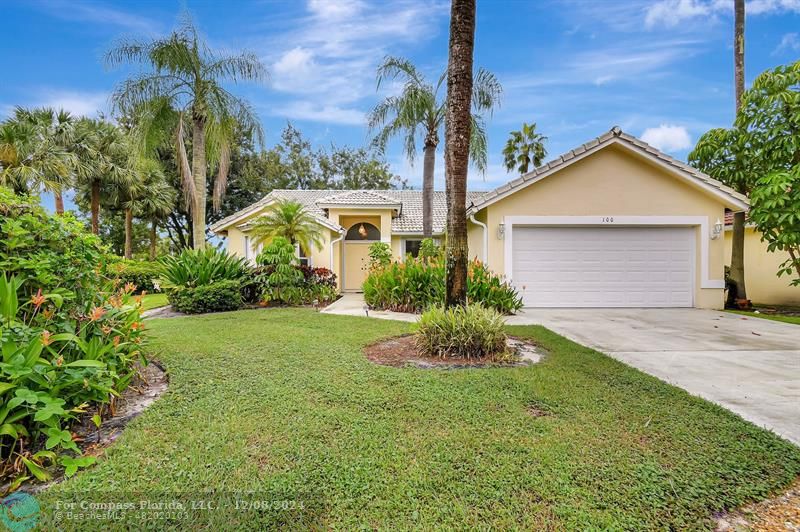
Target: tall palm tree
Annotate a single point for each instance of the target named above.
(186, 78)
(35, 151)
(737, 240)
(420, 109)
(108, 161)
(290, 220)
(457, 145)
(524, 149)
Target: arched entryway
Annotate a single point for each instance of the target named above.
(357, 239)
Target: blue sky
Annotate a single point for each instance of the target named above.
(660, 69)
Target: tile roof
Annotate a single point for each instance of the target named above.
(615, 134)
(409, 219)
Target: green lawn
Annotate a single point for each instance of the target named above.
(767, 316)
(151, 301)
(280, 407)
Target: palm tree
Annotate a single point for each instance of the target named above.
(524, 149)
(108, 161)
(186, 79)
(288, 219)
(35, 151)
(737, 240)
(152, 202)
(420, 108)
(457, 146)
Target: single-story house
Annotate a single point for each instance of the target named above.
(612, 223)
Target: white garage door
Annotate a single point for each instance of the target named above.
(604, 266)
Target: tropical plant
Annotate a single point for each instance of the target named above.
(144, 275)
(524, 149)
(184, 92)
(417, 284)
(470, 332)
(288, 219)
(775, 209)
(199, 267)
(220, 296)
(458, 130)
(420, 109)
(35, 151)
(107, 164)
(380, 255)
(430, 250)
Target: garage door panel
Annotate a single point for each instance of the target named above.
(604, 266)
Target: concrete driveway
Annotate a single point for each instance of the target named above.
(748, 365)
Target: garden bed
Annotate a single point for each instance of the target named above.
(401, 351)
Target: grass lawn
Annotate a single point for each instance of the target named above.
(768, 316)
(151, 301)
(280, 407)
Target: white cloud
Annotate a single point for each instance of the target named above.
(789, 43)
(335, 9)
(667, 137)
(76, 102)
(672, 13)
(102, 16)
(305, 110)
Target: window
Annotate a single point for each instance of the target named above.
(412, 248)
(247, 251)
(303, 257)
(363, 231)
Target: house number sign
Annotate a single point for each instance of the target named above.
(607, 219)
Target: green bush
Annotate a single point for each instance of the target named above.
(215, 297)
(472, 332)
(380, 255)
(70, 337)
(417, 284)
(144, 275)
(280, 280)
(199, 267)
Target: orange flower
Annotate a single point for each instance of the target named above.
(116, 341)
(48, 313)
(59, 361)
(129, 287)
(37, 299)
(137, 326)
(115, 301)
(46, 338)
(137, 340)
(97, 313)
(106, 329)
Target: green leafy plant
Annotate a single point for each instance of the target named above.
(281, 280)
(430, 250)
(380, 255)
(199, 267)
(216, 297)
(471, 332)
(417, 284)
(144, 275)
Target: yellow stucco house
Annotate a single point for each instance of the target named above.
(612, 223)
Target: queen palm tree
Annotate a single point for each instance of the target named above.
(35, 151)
(457, 145)
(288, 219)
(184, 88)
(524, 149)
(108, 162)
(737, 240)
(420, 110)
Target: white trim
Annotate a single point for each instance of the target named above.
(521, 182)
(358, 206)
(612, 220)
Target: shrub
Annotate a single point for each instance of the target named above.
(417, 284)
(215, 297)
(142, 274)
(70, 337)
(430, 250)
(472, 332)
(380, 255)
(199, 267)
(281, 280)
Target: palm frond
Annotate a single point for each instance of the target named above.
(477, 142)
(486, 91)
(187, 181)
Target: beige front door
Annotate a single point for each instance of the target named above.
(356, 264)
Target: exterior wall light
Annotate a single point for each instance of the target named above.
(717, 230)
(501, 231)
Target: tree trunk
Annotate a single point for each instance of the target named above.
(128, 234)
(153, 239)
(428, 163)
(199, 176)
(457, 135)
(737, 242)
(95, 207)
(59, 199)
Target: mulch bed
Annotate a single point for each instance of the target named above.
(401, 351)
(780, 513)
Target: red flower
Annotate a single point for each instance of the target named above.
(97, 313)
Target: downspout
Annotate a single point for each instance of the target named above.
(485, 236)
(341, 237)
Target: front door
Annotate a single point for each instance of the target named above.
(356, 265)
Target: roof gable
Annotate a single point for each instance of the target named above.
(616, 137)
